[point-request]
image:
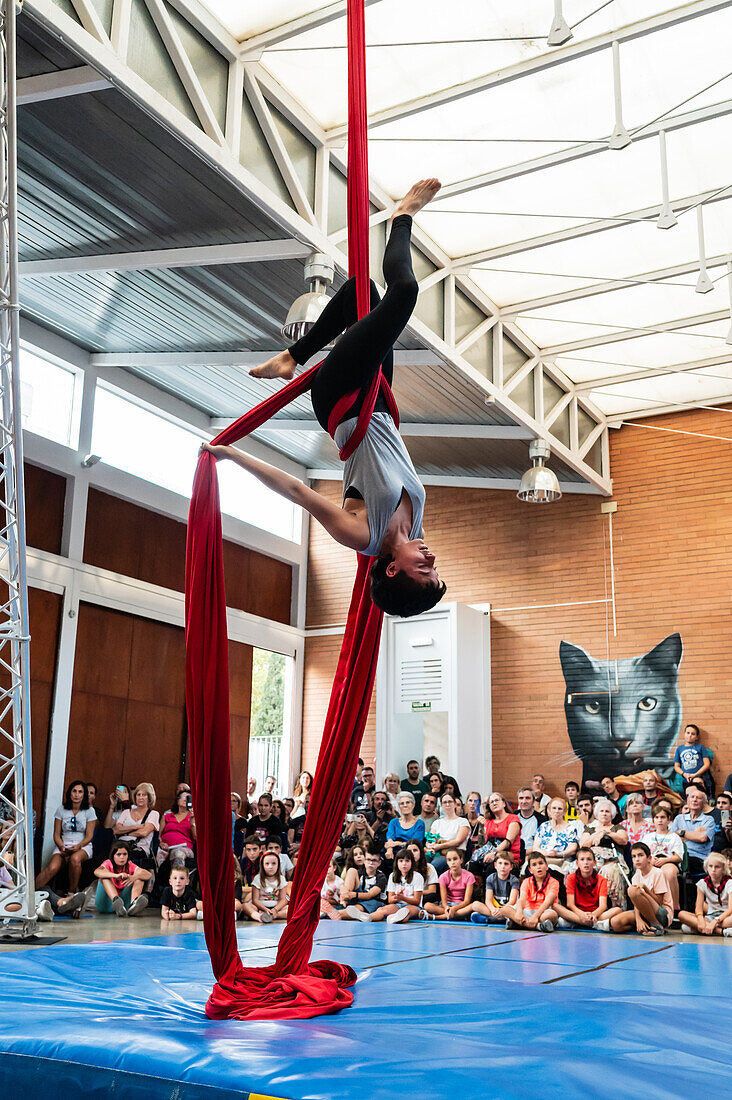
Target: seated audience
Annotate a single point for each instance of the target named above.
(178, 829)
(636, 824)
(280, 811)
(451, 832)
(270, 782)
(712, 915)
(435, 786)
(692, 760)
(475, 819)
(250, 864)
(139, 823)
(431, 888)
(648, 894)
(430, 812)
(301, 795)
(414, 784)
(269, 891)
(432, 764)
(274, 844)
(353, 867)
(403, 891)
(369, 891)
(91, 794)
(571, 794)
(541, 798)
(696, 829)
(120, 799)
(295, 829)
(265, 824)
(539, 891)
(608, 843)
(612, 794)
(178, 902)
(235, 804)
(392, 788)
(586, 895)
(289, 804)
(556, 839)
(121, 883)
(502, 830)
(403, 828)
(501, 890)
(667, 849)
(585, 810)
(378, 818)
(330, 893)
(651, 791)
(456, 891)
(363, 793)
(528, 816)
(73, 829)
(722, 814)
(356, 831)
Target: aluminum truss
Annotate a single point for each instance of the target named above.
(17, 905)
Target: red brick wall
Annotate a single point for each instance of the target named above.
(673, 572)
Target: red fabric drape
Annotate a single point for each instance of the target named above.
(291, 987)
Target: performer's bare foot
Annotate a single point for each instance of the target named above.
(279, 366)
(418, 196)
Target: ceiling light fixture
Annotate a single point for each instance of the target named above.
(539, 485)
(305, 310)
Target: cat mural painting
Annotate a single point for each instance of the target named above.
(623, 716)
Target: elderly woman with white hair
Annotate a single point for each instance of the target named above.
(608, 842)
(140, 822)
(405, 827)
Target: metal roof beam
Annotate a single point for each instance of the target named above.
(634, 333)
(252, 48)
(643, 278)
(244, 359)
(196, 256)
(586, 229)
(455, 481)
(550, 60)
(654, 372)
(616, 420)
(414, 429)
(58, 85)
(580, 151)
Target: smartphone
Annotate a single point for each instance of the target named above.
(121, 789)
(351, 817)
(726, 817)
(189, 803)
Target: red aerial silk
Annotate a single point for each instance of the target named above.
(291, 987)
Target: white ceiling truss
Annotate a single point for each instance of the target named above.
(561, 327)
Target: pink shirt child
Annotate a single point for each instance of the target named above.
(456, 887)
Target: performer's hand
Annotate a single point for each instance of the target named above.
(218, 452)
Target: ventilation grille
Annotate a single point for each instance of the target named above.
(421, 680)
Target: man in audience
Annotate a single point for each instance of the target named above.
(696, 829)
(650, 792)
(541, 798)
(429, 812)
(529, 817)
(722, 814)
(357, 776)
(362, 795)
(414, 784)
(289, 806)
(432, 764)
(612, 793)
(270, 783)
(571, 794)
(378, 818)
(265, 824)
(585, 808)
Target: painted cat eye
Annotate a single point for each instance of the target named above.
(647, 703)
(593, 707)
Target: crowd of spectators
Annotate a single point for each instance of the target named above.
(634, 854)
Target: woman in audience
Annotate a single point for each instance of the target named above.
(459, 805)
(391, 786)
(138, 824)
(452, 832)
(434, 782)
(635, 824)
(120, 799)
(301, 795)
(476, 821)
(667, 848)
(353, 867)
(431, 888)
(556, 839)
(355, 832)
(405, 827)
(235, 804)
(178, 829)
(713, 910)
(503, 827)
(608, 842)
(73, 829)
(378, 818)
(281, 813)
(121, 883)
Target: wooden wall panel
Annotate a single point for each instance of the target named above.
(96, 745)
(103, 651)
(136, 542)
(45, 622)
(45, 496)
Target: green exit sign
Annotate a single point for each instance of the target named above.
(421, 706)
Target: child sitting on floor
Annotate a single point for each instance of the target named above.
(537, 896)
(250, 865)
(713, 915)
(269, 892)
(456, 890)
(369, 891)
(178, 902)
(501, 889)
(274, 844)
(653, 906)
(404, 891)
(586, 895)
(330, 894)
(121, 883)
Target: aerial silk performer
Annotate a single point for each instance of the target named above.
(381, 519)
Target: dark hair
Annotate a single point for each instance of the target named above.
(639, 846)
(588, 850)
(692, 726)
(69, 789)
(252, 840)
(89, 783)
(421, 863)
(506, 854)
(350, 862)
(174, 808)
(533, 856)
(457, 853)
(400, 595)
(119, 846)
(571, 783)
(283, 809)
(412, 762)
(264, 794)
(396, 874)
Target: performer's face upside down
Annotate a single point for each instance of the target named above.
(414, 558)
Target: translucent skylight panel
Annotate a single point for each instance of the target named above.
(654, 350)
(255, 16)
(688, 388)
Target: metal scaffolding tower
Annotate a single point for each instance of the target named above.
(17, 906)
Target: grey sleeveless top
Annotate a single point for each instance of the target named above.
(380, 469)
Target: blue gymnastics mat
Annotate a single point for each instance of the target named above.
(438, 1009)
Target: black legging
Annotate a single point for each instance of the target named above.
(368, 343)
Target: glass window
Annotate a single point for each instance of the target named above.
(144, 443)
(48, 399)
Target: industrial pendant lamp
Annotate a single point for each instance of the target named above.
(306, 309)
(539, 485)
